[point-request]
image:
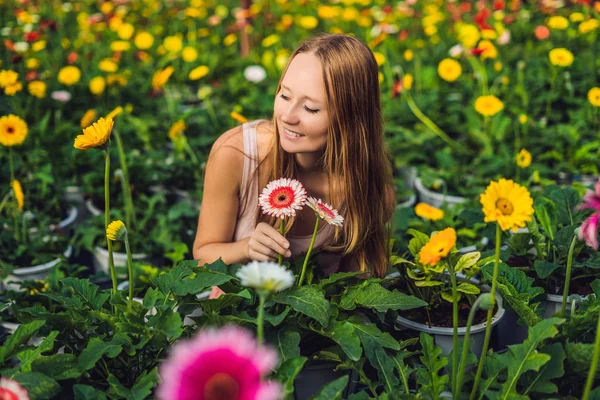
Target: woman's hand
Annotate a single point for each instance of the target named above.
(266, 243)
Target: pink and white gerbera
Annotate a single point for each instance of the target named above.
(11, 390)
(223, 364)
(282, 197)
(589, 228)
(325, 211)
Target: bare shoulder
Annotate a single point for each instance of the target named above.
(226, 159)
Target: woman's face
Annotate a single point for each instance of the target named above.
(300, 106)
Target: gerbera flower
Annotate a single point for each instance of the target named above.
(325, 211)
(524, 158)
(95, 136)
(116, 230)
(507, 203)
(13, 130)
(426, 211)
(282, 197)
(438, 247)
(267, 276)
(177, 129)
(11, 390)
(88, 118)
(161, 77)
(589, 228)
(561, 57)
(594, 96)
(449, 69)
(69, 75)
(219, 364)
(488, 105)
(18, 191)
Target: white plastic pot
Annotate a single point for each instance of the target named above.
(120, 259)
(436, 199)
(95, 211)
(553, 303)
(36, 272)
(411, 201)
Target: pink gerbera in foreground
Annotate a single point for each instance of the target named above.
(282, 197)
(325, 211)
(224, 364)
(589, 228)
(11, 390)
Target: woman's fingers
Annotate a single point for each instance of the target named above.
(273, 239)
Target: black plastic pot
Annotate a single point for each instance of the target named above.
(317, 374)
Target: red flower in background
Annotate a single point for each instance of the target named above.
(32, 36)
(481, 19)
(499, 5)
(72, 57)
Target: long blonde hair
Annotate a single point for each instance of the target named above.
(354, 157)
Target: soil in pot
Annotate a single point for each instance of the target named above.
(442, 315)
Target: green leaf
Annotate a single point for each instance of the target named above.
(338, 277)
(417, 242)
(288, 344)
(167, 283)
(596, 287)
(167, 322)
(540, 382)
(544, 269)
(38, 385)
(28, 356)
(85, 392)
(87, 292)
(466, 261)
(382, 362)
(428, 376)
(287, 372)
(19, 337)
(376, 296)
(142, 388)
(97, 348)
(333, 390)
(200, 283)
(277, 319)
(214, 306)
(565, 199)
(342, 332)
(468, 288)
(57, 366)
(579, 357)
(547, 214)
(368, 330)
(308, 300)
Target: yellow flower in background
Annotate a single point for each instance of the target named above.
(88, 118)
(8, 78)
(558, 22)
(97, 85)
(13, 89)
(379, 58)
(37, 89)
(32, 63)
(439, 246)
(143, 40)
(18, 192)
(69, 75)
(588, 26)
(125, 31)
(189, 54)
(426, 211)
(116, 79)
(380, 77)
(308, 22)
(561, 57)
(505, 80)
(106, 7)
(523, 119)
(407, 81)
(523, 159)
(95, 136)
(350, 14)
(489, 34)
(230, 39)
(238, 117)
(120, 46)
(38, 46)
(270, 40)
(430, 30)
(497, 66)
(161, 77)
(116, 230)
(177, 129)
(173, 44)
(449, 69)
(488, 105)
(489, 50)
(328, 12)
(468, 35)
(13, 130)
(198, 73)
(118, 110)
(576, 17)
(594, 96)
(108, 65)
(408, 55)
(40, 287)
(507, 203)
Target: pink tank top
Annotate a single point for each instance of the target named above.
(246, 221)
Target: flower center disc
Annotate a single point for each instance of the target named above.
(282, 197)
(505, 206)
(221, 387)
(10, 130)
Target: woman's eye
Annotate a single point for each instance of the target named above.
(284, 97)
(310, 110)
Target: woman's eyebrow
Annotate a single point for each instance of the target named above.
(306, 97)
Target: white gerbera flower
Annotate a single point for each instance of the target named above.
(255, 73)
(325, 211)
(282, 197)
(267, 276)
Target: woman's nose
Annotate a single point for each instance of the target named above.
(290, 115)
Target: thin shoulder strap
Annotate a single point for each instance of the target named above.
(250, 158)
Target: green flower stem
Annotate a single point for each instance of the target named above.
(129, 267)
(552, 83)
(282, 231)
(190, 152)
(463, 357)
(259, 319)
(12, 178)
(454, 325)
(429, 123)
(310, 247)
(111, 261)
(129, 211)
(568, 275)
(594, 366)
(479, 67)
(488, 324)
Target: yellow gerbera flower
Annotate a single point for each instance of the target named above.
(97, 85)
(426, 211)
(594, 96)
(116, 230)
(561, 57)
(189, 54)
(173, 44)
(558, 22)
(238, 117)
(88, 118)
(18, 191)
(438, 247)
(488, 105)
(8, 78)
(507, 203)
(524, 158)
(488, 49)
(143, 40)
(449, 69)
(588, 26)
(69, 75)
(177, 129)
(95, 136)
(198, 73)
(161, 77)
(37, 89)
(308, 22)
(13, 130)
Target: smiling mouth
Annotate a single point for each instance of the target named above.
(291, 133)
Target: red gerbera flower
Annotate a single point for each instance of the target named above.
(325, 211)
(282, 197)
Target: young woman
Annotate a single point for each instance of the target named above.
(326, 132)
